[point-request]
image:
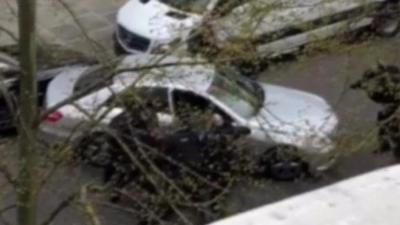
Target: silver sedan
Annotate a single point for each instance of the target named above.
(279, 119)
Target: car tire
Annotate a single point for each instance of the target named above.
(283, 163)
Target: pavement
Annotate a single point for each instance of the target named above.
(326, 74)
(74, 23)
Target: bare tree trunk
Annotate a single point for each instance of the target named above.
(26, 190)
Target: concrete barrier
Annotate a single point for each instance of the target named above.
(369, 199)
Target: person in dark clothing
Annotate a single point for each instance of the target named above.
(389, 129)
(208, 147)
(382, 85)
(207, 150)
(134, 127)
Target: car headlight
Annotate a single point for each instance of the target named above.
(321, 144)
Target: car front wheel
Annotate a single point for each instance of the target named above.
(283, 163)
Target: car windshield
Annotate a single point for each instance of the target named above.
(192, 6)
(243, 96)
(93, 76)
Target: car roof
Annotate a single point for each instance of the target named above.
(167, 71)
(193, 76)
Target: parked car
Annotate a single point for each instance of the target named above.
(9, 80)
(280, 119)
(9, 98)
(270, 28)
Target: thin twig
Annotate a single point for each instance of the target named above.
(64, 204)
(95, 85)
(11, 8)
(97, 47)
(7, 174)
(9, 33)
(9, 207)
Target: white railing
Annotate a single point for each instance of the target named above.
(369, 199)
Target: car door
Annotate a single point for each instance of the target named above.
(197, 106)
(156, 97)
(195, 110)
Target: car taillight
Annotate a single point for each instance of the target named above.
(54, 117)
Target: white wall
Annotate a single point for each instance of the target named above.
(369, 199)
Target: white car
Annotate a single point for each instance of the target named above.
(272, 27)
(10, 72)
(279, 118)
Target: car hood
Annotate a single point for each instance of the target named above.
(289, 112)
(152, 19)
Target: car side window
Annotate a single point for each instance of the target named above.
(194, 109)
(93, 76)
(156, 98)
(185, 98)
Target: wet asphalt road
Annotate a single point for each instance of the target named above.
(329, 75)
(326, 74)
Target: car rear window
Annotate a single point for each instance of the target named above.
(94, 76)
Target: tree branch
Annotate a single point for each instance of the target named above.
(97, 47)
(9, 207)
(93, 87)
(64, 204)
(9, 33)
(88, 207)
(6, 173)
